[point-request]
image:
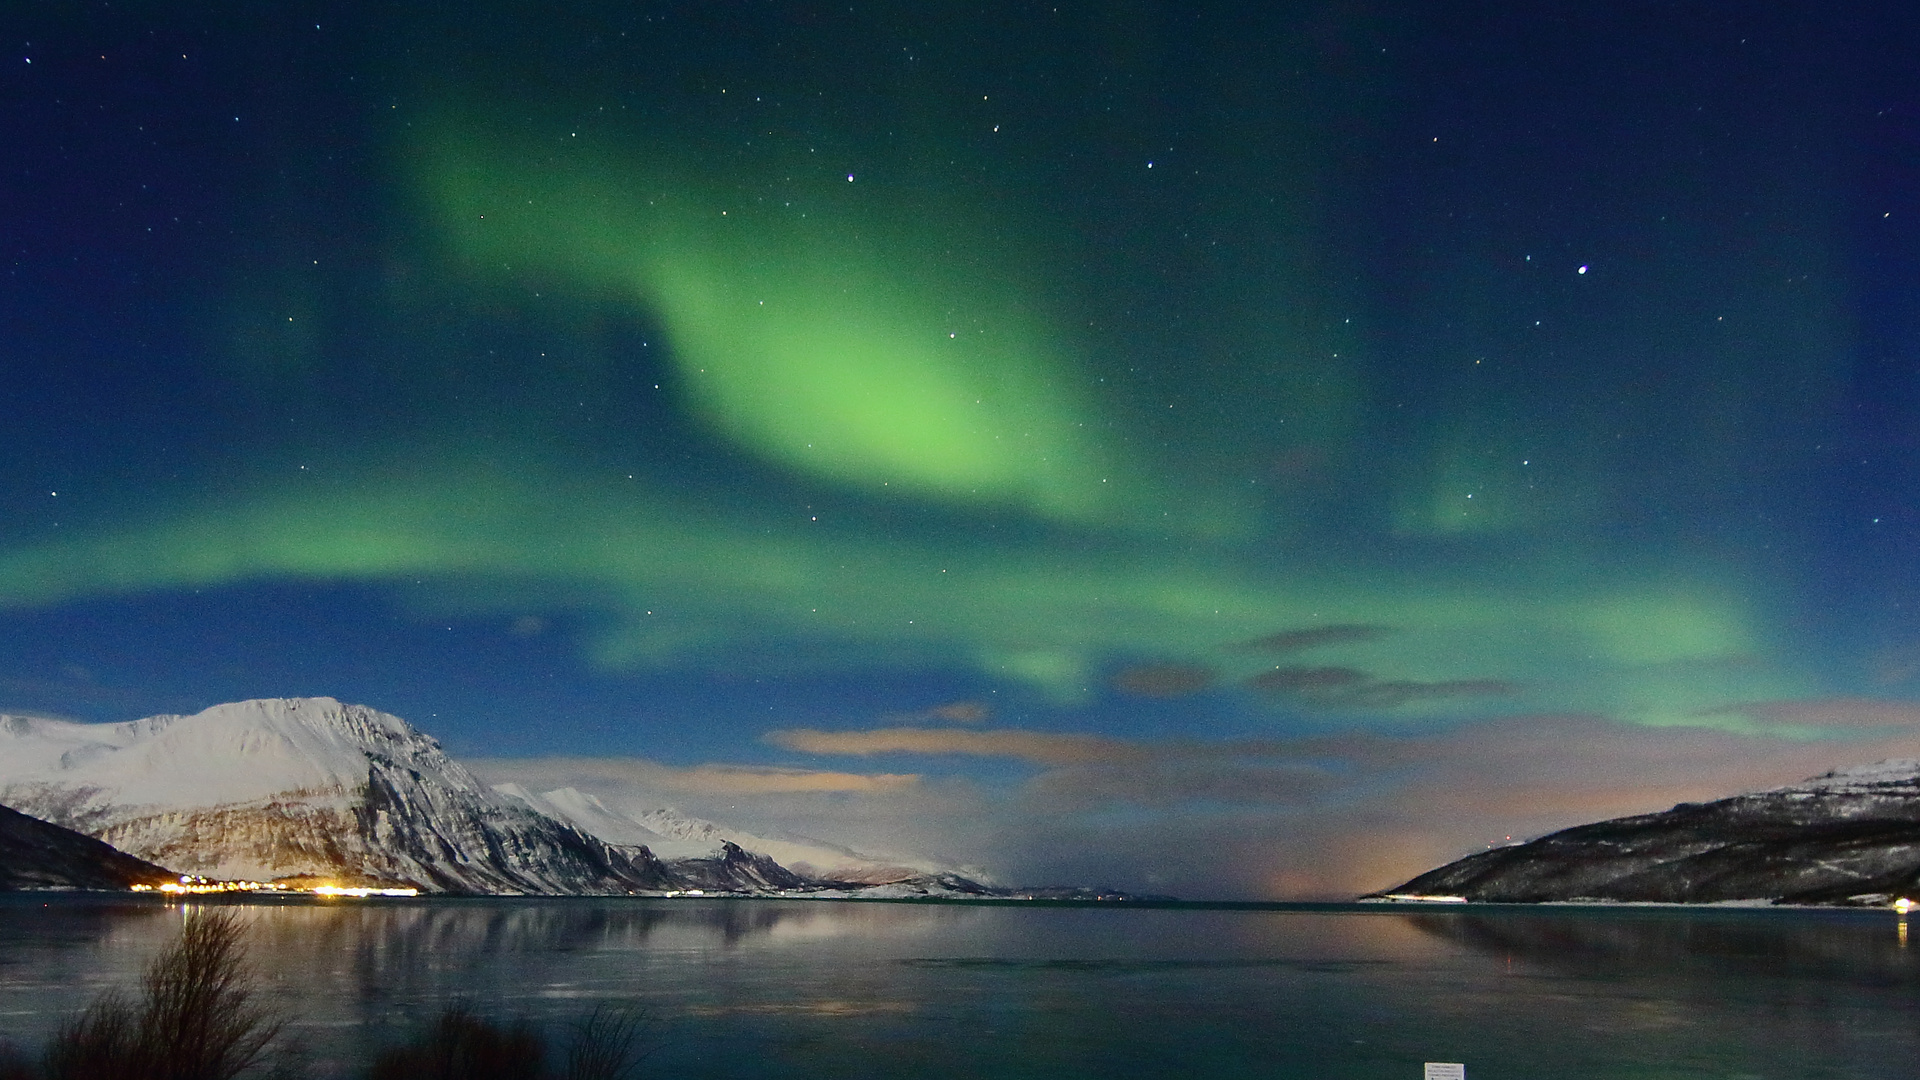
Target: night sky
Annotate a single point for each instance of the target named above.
(1221, 448)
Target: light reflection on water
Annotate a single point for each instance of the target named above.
(755, 989)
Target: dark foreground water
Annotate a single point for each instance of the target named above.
(802, 989)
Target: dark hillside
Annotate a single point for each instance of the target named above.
(1851, 837)
(37, 854)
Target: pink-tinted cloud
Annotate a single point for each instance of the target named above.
(1039, 747)
(961, 712)
(699, 779)
(953, 712)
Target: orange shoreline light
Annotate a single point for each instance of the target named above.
(357, 890)
(189, 885)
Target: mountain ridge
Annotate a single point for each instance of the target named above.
(1848, 837)
(673, 835)
(304, 788)
(317, 791)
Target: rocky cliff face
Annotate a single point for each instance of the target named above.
(306, 789)
(37, 854)
(1848, 837)
(735, 869)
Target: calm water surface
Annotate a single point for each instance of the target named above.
(801, 989)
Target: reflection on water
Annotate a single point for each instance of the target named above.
(754, 989)
(1770, 943)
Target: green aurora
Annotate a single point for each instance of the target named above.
(687, 585)
(1217, 374)
(850, 342)
(880, 340)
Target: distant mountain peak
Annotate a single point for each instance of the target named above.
(299, 788)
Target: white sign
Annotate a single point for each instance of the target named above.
(1445, 1070)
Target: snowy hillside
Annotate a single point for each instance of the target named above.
(1851, 836)
(228, 754)
(301, 788)
(672, 836)
(588, 814)
(1894, 776)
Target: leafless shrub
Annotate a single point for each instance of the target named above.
(608, 1045)
(197, 1019)
(97, 1043)
(201, 1021)
(463, 1046)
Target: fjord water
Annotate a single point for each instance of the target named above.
(803, 989)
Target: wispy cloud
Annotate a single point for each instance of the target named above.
(698, 779)
(1309, 681)
(1163, 680)
(1313, 637)
(953, 712)
(1351, 688)
(1038, 747)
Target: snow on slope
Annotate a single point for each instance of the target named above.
(311, 788)
(300, 787)
(233, 753)
(588, 814)
(1899, 772)
(673, 835)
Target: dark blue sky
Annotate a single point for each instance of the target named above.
(1200, 428)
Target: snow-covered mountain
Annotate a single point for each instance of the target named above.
(302, 788)
(1851, 836)
(311, 791)
(673, 836)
